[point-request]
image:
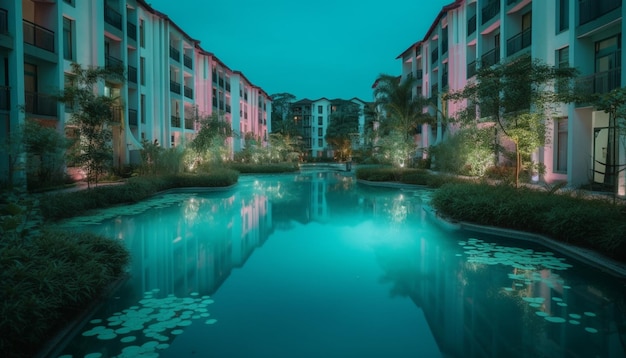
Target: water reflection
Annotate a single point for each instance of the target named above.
(481, 296)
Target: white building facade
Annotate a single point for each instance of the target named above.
(170, 79)
(585, 34)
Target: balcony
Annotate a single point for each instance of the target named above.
(227, 86)
(5, 103)
(590, 10)
(221, 82)
(132, 74)
(174, 87)
(490, 58)
(187, 62)
(174, 54)
(38, 36)
(40, 104)
(518, 42)
(4, 24)
(444, 47)
(175, 122)
(214, 102)
(214, 76)
(131, 30)
(444, 80)
(189, 123)
(434, 56)
(419, 74)
(471, 69)
(228, 108)
(434, 93)
(132, 117)
(511, 2)
(471, 25)
(188, 91)
(111, 62)
(112, 17)
(490, 11)
(600, 82)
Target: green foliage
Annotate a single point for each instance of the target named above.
(46, 281)
(281, 148)
(517, 95)
(91, 119)
(395, 149)
(45, 148)
(344, 124)
(403, 175)
(56, 206)
(209, 144)
(247, 168)
(281, 123)
(581, 221)
(468, 152)
(404, 112)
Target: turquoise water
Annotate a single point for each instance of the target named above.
(316, 265)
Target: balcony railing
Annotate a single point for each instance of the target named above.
(132, 74)
(471, 69)
(600, 82)
(4, 24)
(471, 25)
(189, 123)
(490, 58)
(490, 11)
(187, 61)
(38, 36)
(188, 91)
(174, 86)
(113, 62)
(174, 54)
(112, 17)
(5, 98)
(175, 121)
(434, 55)
(132, 117)
(518, 42)
(131, 29)
(41, 104)
(590, 10)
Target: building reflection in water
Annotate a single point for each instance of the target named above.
(482, 296)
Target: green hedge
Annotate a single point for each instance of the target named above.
(404, 175)
(247, 168)
(586, 222)
(56, 206)
(48, 280)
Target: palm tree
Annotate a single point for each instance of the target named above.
(404, 112)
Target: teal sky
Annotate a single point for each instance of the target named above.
(311, 49)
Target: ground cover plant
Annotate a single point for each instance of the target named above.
(46, 280)
(56, 206)
(247, 168)
(403, 175)
(572, 218)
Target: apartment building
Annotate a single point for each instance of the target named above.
(312, 118)
(170, 80)
(585, 34)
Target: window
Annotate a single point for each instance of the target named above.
(142, 34)
(143, 108)
(561, 145)
(68, 44)
(320, 132)
(142, 70)
(320, 120)
(320, 142)
(320, 109)
(562, 15)
(69, 82)
(562, 60)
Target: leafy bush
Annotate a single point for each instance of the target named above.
(467, 152)
(581, 221)
(46, 281)
(403, 175)
(264, 168)
(56, 206)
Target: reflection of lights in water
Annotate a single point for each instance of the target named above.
(529, 268)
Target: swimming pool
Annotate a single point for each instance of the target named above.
(317, 265)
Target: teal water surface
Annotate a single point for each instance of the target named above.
(316, 265)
